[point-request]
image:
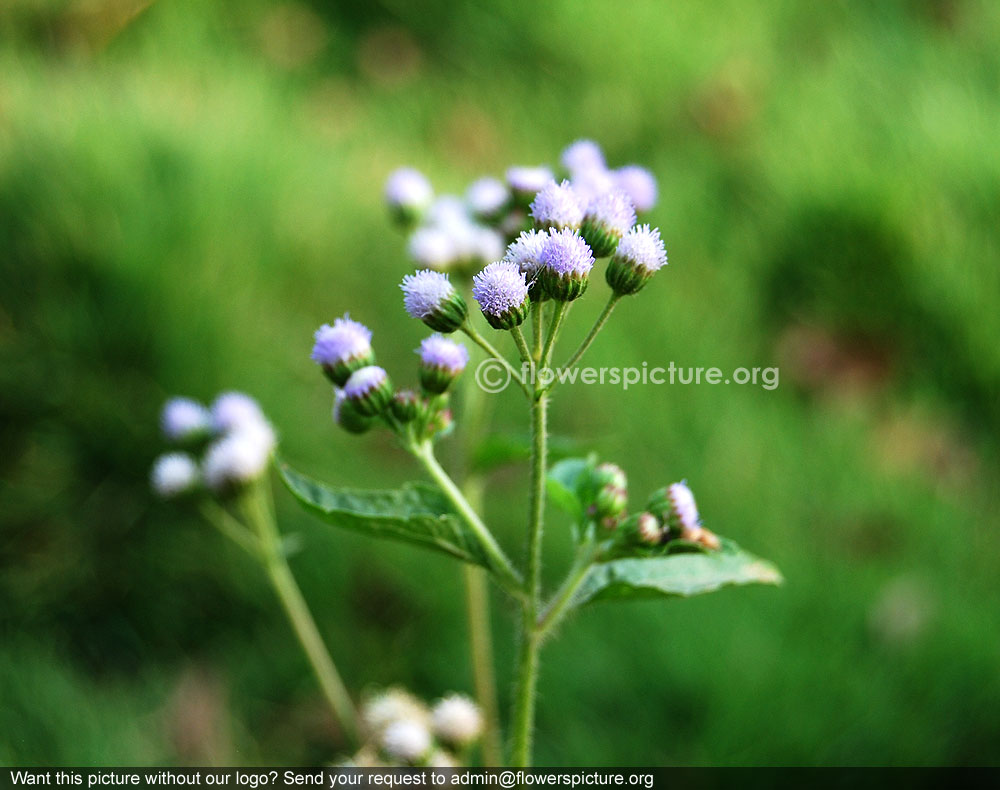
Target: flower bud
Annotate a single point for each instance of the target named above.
(684, 517)
(441, 362)
(456, 720)
(408, 194)
(608, 218)
(430, 297)
(557, 207)
(610, 487)
(526, 182)
(347, 416)
(640, 254)
(342, 348)
(185, 421)
(566, 263)
(442, 423)
(369, 390)
(502, 293)
(608, 474)
(405, 406)
(174, 474)
(648, 529)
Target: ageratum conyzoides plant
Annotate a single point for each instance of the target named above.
(520, 252)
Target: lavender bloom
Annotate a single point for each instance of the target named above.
(487, 244)
(592, 184)
(526, 250)
(429, 296)
(639, 184)
(233, 411)
(557, 206)
(433, 247)
(342, 348)
(184, 419)
(526, 182)
(369, 390)
(448, 210)
(439, 352)
(408, 189)
(583, 155)
(639, 255)
(441, 362)
(174, 474)
(566, 263)
(683, 507)
(238, 458)
(487, 197)
(608, 217)
(502, 293)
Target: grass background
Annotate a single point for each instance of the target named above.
(187, 189)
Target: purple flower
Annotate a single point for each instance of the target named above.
(557, 206)
(364, 381)
(639, 184)
(432, 247)
(238, 457)
(233, 411)
(173, 474)
(345, 341)
(425, 292)
(683, 507)
(437, 351)
(612, 211)
(583, 155)
(528, 179)
(500, 288)
(642, 248)
(183, 419)
(525, 251)
(566, 254)
(487, 196)
(408, 189)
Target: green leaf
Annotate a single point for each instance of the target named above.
(566, 480)
(677, 574)
(416, 513)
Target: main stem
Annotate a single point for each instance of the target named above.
(261, 516)
(527, 666)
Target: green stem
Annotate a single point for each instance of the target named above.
(527, 668)
(220, 518)
(522, 349)
(536, 331)
(506, 575)
(598, 325)
(555, 324)
(260, 514)
(558, 606)
(485, 344)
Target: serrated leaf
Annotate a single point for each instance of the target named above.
(416, 513)
(565, 483)
(679, 574)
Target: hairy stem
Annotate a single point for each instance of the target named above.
(554, 611)
(594, 330)
(522, 349)
(485, 344)
(260, 514)
(536, 331)
(505, 573)
(527, 667)
(555, 324)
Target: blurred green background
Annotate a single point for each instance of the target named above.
(187, 189)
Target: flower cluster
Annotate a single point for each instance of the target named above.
(234, 439)
(400, 730)
(671, 514)
(363, 393)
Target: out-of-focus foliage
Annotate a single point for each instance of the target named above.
(187, 189)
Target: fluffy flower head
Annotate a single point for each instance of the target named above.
(500, 288)
(408, 188)
(433, 247)
(233, 411)
(583, 155)
(238, 457)
(526, 250)
(456, 719)
(439, 352)
(487, 196)
(406, 740)
(344, 341)
(557, 205)
(643, 248)
(528, 179)
(183, 418)
(639, 184)
(173, 474)
(612, 210)
(425, 291)
(683, 506)
(567, 254)
(364, 380)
